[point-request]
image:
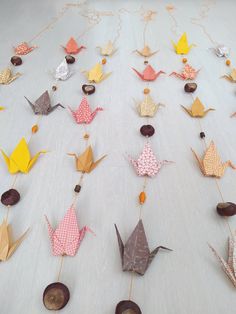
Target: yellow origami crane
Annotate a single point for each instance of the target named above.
(182, 46)
(20, 159)
(6, 76)
(148, 108)
(108, 49)
(7, 246)
(231, 77)
(95, 75)
(197, 109)
(211, 165)
(2, 108)
(85, 162)
(146, 52)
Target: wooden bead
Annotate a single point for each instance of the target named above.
(184, 60)
(142, 198)
(34, 128)
(146, 91)
(228, 62)
(104, 61)
(86, 136)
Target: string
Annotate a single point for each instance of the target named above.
(175, 24)
(60, 268)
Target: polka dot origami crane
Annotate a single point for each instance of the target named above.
(20, 160)
(66, 239)
(146, 52)
(23, 49)
(182, 46)
(7, 77)
(84, 114)
(149, 74)
(62, 72)
(231, 77)
(43, 104)
(72, 47)
(147, 163)
(96, 75)
(211, 164)
(197, 109)
(188, 73)
(108, 49)
(135, 253)
(148, 108)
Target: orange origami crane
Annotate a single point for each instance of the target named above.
(188, 73)
(23, 49)
(149, 74)
(211, 164)
(197, 109)
(72, 47)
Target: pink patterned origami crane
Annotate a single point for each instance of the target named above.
(72, 47)
(84, 113)
(66, 239)
(188, 73)
(23, 49)
(149, 74)
(147, 163)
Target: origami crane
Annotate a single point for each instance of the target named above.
(96, 75)
(182, 46)
(221, 51)
(149, 74)
(211, 164)
(188, 73)
(43, 104)
(72, 47)
(23, 49)
(20, 160)
(147, 163)
(62, 71)
(85, 162)
(108, 49)
(84, 113)
(66, 239)
(148, 108)
(231, 77)
(229, 266)
(146, 52)
(7, 246)
(135, 254)
(197, 109)
(6, 76)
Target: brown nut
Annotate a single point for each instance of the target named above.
(127, 305)
(56, 296)
(88, 89)
(190, 87)
(10, 197)
(226, 209)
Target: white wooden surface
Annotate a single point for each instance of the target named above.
(180, 209)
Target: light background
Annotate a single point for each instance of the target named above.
(180, 208)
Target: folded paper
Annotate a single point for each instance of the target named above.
(231, 77)
(85, 162)
(146, 52)
(188, 73)
(197, 109)
(149, 74)
(62, 71)
(20, 160)
(7, 246)
(67, 237)
(43, 104)
(84, 114)
(6, 76)
(72, 47)
(229, 266)
(135, 253)
(221, 51)
(148, 108)
(108, 49)
(211, 164)
(23, 49)
(182, 46)
(147, 163)
(96, 75)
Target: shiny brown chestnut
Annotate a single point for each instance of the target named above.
(88, 89)
(15, 60)
(56, 296)
(147, 130)
(70, 59)
(226, 209)
(190, 87)
(10, 197)
(127, 305)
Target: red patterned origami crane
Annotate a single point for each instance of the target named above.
(23, 49)
(66, 239)
(84, 114)
(149, 74)
(72, 47)
(188, 73)
(147, 163)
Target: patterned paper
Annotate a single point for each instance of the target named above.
(108, 49)
(23, 49)
(6, 76)
(62, 71)
(148, 108)
(231, 77)
(188, 73)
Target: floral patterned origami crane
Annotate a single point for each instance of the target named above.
(188, 73)
(23, 49)
(6, 76)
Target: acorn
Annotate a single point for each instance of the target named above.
(226, 209)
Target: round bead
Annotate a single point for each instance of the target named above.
(16, 60)
(142, 198)
(228, 62)
(104, 61)
(146, 91)
(70, 59)
(145, 62)
(147, 130)
(184, 60)
(77, 188)
(202, 135)
(86, 136)
(56, 296)
(54, 88)
(35, 128)
(10, 197)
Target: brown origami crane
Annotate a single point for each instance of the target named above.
(6, 76)
(7, 246)
(211, 164)
(146, 52)
(85, 162)
(135, 254)
(197, 109)
(228, 267)
(231, 77)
